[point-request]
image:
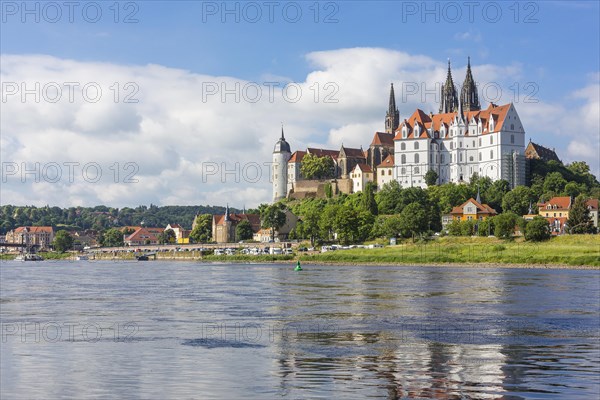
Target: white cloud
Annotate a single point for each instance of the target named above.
(186, 148)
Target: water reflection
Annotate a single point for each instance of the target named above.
(263, 331)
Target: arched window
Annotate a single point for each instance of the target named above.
(460, 157)
(402, 146)
(403, 159)
(403, 171)
(416, 145)
(491, 139)
(479, 156)
(390, 172)
(491, 154)
(479, 141)
(512, 127)
(416, 158)
(471, 158)
(512, 139)
(416, 170)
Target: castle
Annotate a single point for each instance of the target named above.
(458, 141)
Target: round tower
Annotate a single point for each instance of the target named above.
(281, 155)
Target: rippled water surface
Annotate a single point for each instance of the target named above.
(187, 330)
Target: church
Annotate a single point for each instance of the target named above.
(460, 140)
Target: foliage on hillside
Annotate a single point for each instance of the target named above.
(100, 217)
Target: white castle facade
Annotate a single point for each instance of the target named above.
(457, 142)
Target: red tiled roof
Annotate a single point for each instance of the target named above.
(364, 167)
(34, 229)
(297, 156)
(561, 203)
(323, 152)
(388, 162)
(592, 203)
(254, 219)
(435, 121)
(383, 139)
(481, 208)
(144, 234)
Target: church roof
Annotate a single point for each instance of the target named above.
(254, 219)
(350, 152)
(383, 139)
(323, 152)
(534, 149)
(388, 162)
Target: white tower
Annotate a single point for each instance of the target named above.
(281, 155)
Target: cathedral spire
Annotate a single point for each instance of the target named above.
(227, 212)
(282, 136)
(468, 94)
(449, 99)
(392, 117)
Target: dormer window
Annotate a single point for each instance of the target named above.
(404, 132)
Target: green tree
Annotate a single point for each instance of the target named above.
(554, 183)
(273, 217)
(504, 225)
(580, 220)
(112, 238)
(431, 178)
(537, 229)
(517, 200)
(368, 199)
(315, 167)
(167, 237)
(494, 194)
(63, 241)
(414, 220)
(202, 232)
(346, 224)
(243, 231)
(454, 228)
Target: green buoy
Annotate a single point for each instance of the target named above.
(298, 267)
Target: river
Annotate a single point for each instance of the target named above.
(162, 330)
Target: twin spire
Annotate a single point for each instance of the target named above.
(392, 117)
(469, 100)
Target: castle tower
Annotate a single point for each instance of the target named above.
(449, 99)
(392, 117)
(468, 95)
(281, 155)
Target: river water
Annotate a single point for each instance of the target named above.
(161, 330)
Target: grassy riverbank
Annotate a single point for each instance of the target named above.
(576, 250)
(564, 250)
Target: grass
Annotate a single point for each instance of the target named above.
(564, 250)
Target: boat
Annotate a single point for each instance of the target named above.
(142, 258)
(29, 257)
(82, 258)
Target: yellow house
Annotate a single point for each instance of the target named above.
(472, 210)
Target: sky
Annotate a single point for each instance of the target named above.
(181, 102)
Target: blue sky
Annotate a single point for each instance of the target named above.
(546, 49)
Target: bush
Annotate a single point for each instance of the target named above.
(504, 225)
(537, 229)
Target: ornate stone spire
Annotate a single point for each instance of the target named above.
(468, 94)
(449, 100)
(227, 212)
(392, 117)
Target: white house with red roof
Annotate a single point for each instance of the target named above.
(385, 171)
(361, 175)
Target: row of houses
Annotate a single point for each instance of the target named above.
(555, 211)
